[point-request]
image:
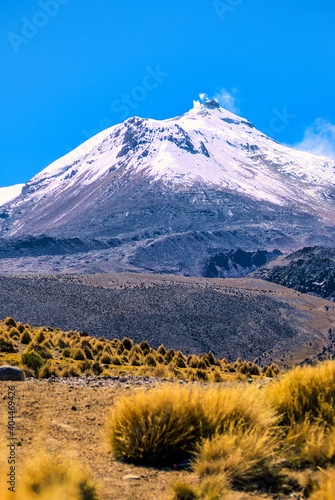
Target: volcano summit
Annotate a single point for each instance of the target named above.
(203, 194)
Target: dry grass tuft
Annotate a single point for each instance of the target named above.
(310, 444)
(237, 404)
(182, 491)
(49, 477)
(46, 473)
(10, 321)
(246, 457)
(163, 425)
(6, 344)
(325, 489)
(25, 337)
(156, 426)
(307, 392)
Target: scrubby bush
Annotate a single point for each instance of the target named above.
(196, 375)
(271, 371)
(6, 344)
(67, 352)
(120, 349)
(74, 372)
(97, 368)
(135, 360)
(216, 376)
(161, 350)
(108, 349)
(88, 352)
(20, 328)
(78, 354)
(149, 360)
(62, 343)
(325, 486)
(47, 474)
(163, 425)
(192, 361)
(211, 358)
(183, 491)
(310, 444)
(48, 370)
(40, 337)
(106, 358)
(32, 361)
(205, 359)
(14, 333)
(307, 392)
(28, 372)
(127, 344)
(145, 348)
(179, 361)
(25, 337)
(243, 456)
(116, 360)
(156, 426)
(160, 359)
(202, 365)
(169, 355)
(10, 321)
(85, 366)
(40, 349)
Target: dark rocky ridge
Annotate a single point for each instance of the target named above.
(309, 270)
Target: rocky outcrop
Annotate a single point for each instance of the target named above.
(11, 373)
(309, 270)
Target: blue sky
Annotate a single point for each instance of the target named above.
(71, 68)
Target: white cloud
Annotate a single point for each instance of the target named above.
(227, 100)
(319, 138)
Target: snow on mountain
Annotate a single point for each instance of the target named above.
(9, 193)
(206, 145)
(208, 179)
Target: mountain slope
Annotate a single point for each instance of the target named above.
(207, 181)
(309, 270)
(253, 319)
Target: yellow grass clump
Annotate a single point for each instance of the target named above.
(156, 426)
(325, 489)
(49, 477)
(246, 457)
(165, 425)
(307, 392)
(210, 488)
(310, 444)
(237, 404)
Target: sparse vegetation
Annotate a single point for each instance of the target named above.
(237, 435)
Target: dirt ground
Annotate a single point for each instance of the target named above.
(70, 420)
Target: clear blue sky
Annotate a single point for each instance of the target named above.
(67, 67)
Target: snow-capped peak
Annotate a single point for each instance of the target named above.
(207, 147)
